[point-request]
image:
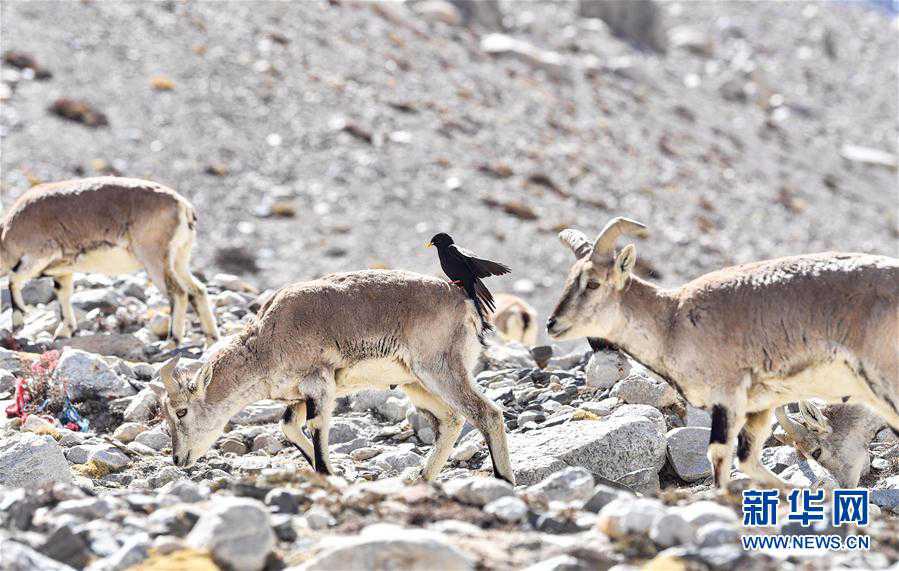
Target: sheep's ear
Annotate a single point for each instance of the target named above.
(624, 264)
(167, 375)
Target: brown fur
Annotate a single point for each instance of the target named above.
(515, 319)
(345, 332)
(751, 337)
(108, 224)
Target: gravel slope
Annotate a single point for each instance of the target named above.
(263, 89)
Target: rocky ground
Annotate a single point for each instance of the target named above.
(610, 464)
(323, 136)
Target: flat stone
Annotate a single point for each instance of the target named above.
(610, 448)
(29, 460)
(477, 491)
(687, 452)
(385, 546)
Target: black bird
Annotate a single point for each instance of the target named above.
(465, 269)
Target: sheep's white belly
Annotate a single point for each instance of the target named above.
(372, 374)
(109, 261)
(829, 381)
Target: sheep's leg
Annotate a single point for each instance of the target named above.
(728, 417)
(292, 424)
(453, 384)
(750, 441)
(448, 426)
(64, 284)
(178, 305)
(196, 291)
(319, 406)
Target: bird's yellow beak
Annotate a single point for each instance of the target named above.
(429, 244)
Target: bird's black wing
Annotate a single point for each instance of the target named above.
(480, 267)
(484, 295)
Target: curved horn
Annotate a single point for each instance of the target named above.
(813, 417)
(605, 242)
(166, 374)
(795, 431)
(576, 240)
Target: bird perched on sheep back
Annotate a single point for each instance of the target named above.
(465, 270)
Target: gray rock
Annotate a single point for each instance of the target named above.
(7, 381)
(779, 458)
(605, 368)
(700, 513)
(422, 424)
(85, 508)
(103, 453)
(156, 438)
(394, 409)
(623, 517)
(477, 491)
(141, 406)
(509, 509)
(639, 389)
(165, 475)
(382, 547)
(553, 64)
(671, 529)
(717, 533)
(133, 551)
(370, 399)
(610, 448)
(10, 361)
(104, 299)
(123, 345)
(30, 460)
(237, 531)
(886, 494)
(185, 490)
(512, 355)
(345, 430)
(637, 21)
(351, 446)
(557, 563)
(465, 451)
(268, 443)
(318, 517)
(602, 495)
(128, 431)
(262, 412)
(89, 376)
(285, 500)
(15, 556)
(687, 449)
(398, 460)
(809, 473)
(572, 484)
(641, 410)
(698, 417)
(38, 290)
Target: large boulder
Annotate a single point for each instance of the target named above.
(636, 21)
(124, 345)
(687, 449)
(262, 412)
(237, 531)
(89, 376)
(15, 556)
(611, 448)
(30, 460)
(384, 547)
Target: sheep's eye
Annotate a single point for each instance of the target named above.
(181, 413)
(816, 454)
(592, 284)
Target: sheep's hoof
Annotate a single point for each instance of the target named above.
(63, 331)
(412, 475)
